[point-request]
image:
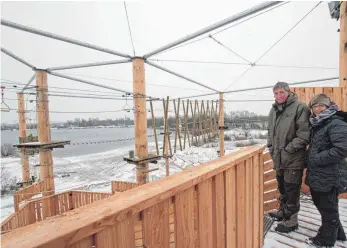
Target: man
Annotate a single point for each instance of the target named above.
(288, 137)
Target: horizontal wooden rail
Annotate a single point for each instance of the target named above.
(216, 204)
(119, 186)
(28, 192)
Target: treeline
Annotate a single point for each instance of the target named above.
(243, 119)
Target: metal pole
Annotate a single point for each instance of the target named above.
(88, 82)
(16, 57)
(61, 38)
(263, 87)
(212, 27)
(113, 62)
(295, 83)
(77, 96)
(207, 94)
(28, 83)
(178, 75)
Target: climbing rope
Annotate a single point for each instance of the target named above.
(7, 108)
(104, 141)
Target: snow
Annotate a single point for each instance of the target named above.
(94, 172)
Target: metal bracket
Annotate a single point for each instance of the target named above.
(223, 127)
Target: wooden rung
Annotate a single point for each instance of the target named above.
(142, 160)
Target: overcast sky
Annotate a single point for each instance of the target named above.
(314, 42)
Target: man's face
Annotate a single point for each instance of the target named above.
(281, 95)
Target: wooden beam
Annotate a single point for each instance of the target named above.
(22, 137)
(44, 132)
(343, 51)
(154, 128)
(140, 117)
(221, 124)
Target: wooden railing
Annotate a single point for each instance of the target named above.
(27, 193)
(34, 210)
(119, 186)
(216, 204)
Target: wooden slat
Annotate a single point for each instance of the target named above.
(241, 204)
(268, 165)
(256, 201)
(270, 185)
(300, 91)
(230, 201)
(329, 92)
(318, 90)
(267, 156)
(205, 214)
(84, 243)
(344, 99)
(155, 226)
(309, 93)
(219, 211)
(337, 96)
(249, 202)
(270, 205)
(269, 176)
(184, 219)
(272, 195)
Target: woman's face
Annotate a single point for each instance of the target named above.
(318, 108)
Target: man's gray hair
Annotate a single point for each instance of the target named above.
(281, 85)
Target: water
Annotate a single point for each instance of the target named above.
(82, 135)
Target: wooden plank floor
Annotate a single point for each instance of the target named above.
(309, 222)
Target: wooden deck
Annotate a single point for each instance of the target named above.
(309, 222)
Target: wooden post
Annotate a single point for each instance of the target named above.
(221, 124)
(22, 138)
(140, 117)
(343, 51)
(44, 133)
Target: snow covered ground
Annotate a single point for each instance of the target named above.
(95, 171)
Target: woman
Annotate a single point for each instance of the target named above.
(326, 167)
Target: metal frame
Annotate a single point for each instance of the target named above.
(5, 51)
(113, 62)
(61, 38)
(271, 86)
(263, 87)
(28, 83)
(89, 82)
(212, 27)
(179, 75)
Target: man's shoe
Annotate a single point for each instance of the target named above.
(288, 225)
(277, 215)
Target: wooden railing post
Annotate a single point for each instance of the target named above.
(22, 138)
(140, 117)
